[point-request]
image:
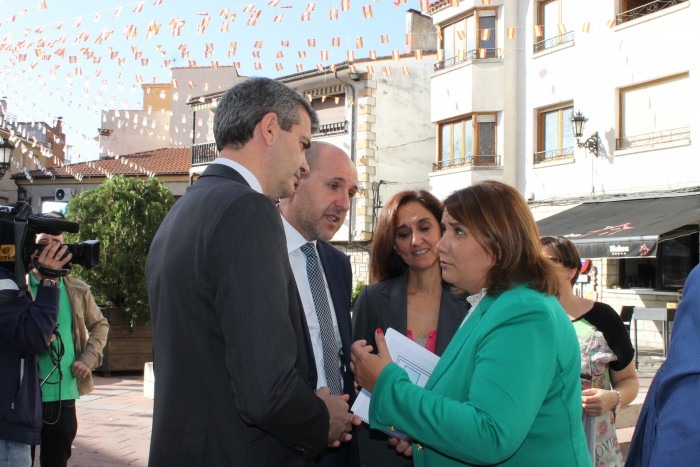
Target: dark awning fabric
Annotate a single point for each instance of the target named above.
(625, 228)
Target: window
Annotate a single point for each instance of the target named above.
(468, 141)
(632, 9)
(555, 135)
(655, 112)
(550, 30)
(469, 38)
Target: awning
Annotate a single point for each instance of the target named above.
(624, 228)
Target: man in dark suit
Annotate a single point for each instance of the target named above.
(312, 216)
(234, 372)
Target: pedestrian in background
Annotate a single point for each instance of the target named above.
(668, 428)
(409, 295)
(608, 376)
(65, 368)
(506, 390)
(311, 217)
(235, 378)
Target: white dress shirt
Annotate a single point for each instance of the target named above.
(245, 173)
(297, 259)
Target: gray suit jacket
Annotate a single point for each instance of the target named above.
(384, 305)
(232, 357)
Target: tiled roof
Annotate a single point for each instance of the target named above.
(166, 161)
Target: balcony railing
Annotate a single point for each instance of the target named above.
(553, 42)
(481, 160)
(470, 56)
(204, 153)
(646, 9)
(335, 128)
(658, 137)
(554, 155)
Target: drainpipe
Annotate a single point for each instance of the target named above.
(353, 142)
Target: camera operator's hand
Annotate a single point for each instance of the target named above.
(53, 256)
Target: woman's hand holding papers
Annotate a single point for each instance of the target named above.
(367, 366)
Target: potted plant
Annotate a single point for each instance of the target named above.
(123, 213)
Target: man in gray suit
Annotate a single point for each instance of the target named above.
(311, 217)
(234, 371)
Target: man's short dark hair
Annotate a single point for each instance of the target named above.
(244, 105)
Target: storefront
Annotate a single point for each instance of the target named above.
(640, 250)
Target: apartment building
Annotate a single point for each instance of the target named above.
(587, 109)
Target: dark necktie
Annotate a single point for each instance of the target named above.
(331, 364)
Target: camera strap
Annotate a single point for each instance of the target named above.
(20, 226)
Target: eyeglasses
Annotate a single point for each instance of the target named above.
(555, 260)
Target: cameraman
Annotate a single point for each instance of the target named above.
(66, 367)
(25, 330)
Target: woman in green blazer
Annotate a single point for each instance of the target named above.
(506, 390)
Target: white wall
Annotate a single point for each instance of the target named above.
(134, 131)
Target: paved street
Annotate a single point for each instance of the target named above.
(114, 422)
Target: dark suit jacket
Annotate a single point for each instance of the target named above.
(338, 271)
(384, 305)
(669, 423)
(232, 356)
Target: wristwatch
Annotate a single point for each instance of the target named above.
(49, 282)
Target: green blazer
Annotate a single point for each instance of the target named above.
(506, 391)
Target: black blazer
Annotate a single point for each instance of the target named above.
(233, 361)
(384, 305)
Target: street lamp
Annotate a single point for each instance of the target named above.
(5, 155)
(578, 121)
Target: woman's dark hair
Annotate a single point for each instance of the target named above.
(386, 263)
(501, 222)
(567, 253)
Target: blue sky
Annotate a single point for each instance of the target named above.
(74, 58)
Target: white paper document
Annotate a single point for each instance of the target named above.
(416, 360)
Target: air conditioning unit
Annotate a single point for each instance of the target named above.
(63, 194)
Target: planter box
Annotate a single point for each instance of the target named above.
(127, 349)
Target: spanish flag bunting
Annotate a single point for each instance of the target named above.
(333, 14)
(306, 16)
(324, 55)
(225, 26)
(337, 99)
(485, 34)
(232, 48)
(236, 65)
(323, 98)
(486, 2)
(302, 53)
(510, 33)
(461, 35)
(387, 70)
(77, 22)
(586, 27)
(300, 67)
(611, 23)
(367, 11)
(335, 42)
(224, 13)
(144, 62)
(138, 7)
(358, 43)
(258, 44)
(214, 65)
(395, 55)
(351, 56)
(310, 7)
(424, 5)
(157, 2)
(482, 53)
(256, 54)
(285, 43)
(440, 55)
(173, 82)
(373, 54)
(419, 54)
(192, 63)
(311, 42)
(561, 28)
(332, 67)
(410, 40)
(538, 30)
(42, 5)
(370, 69)
(278, 66)
(345, 5)
(248, 8)
(274, 3)
(280, 54)
(352, 69)
(277, 18)
(384, 38)
(98, 15)
(59, 25)
(405, 70)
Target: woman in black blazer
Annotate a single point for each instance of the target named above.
(408, 294)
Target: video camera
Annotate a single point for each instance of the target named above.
(18, 230)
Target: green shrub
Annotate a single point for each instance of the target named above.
(123, 213)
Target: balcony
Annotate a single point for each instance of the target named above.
(646, 9)
(470, 56)
(204, 153)
(481, 160)
(328, 129)
(650, 139)
(554, 155)
(553, 42)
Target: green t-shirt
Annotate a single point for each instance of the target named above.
(60, 385)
